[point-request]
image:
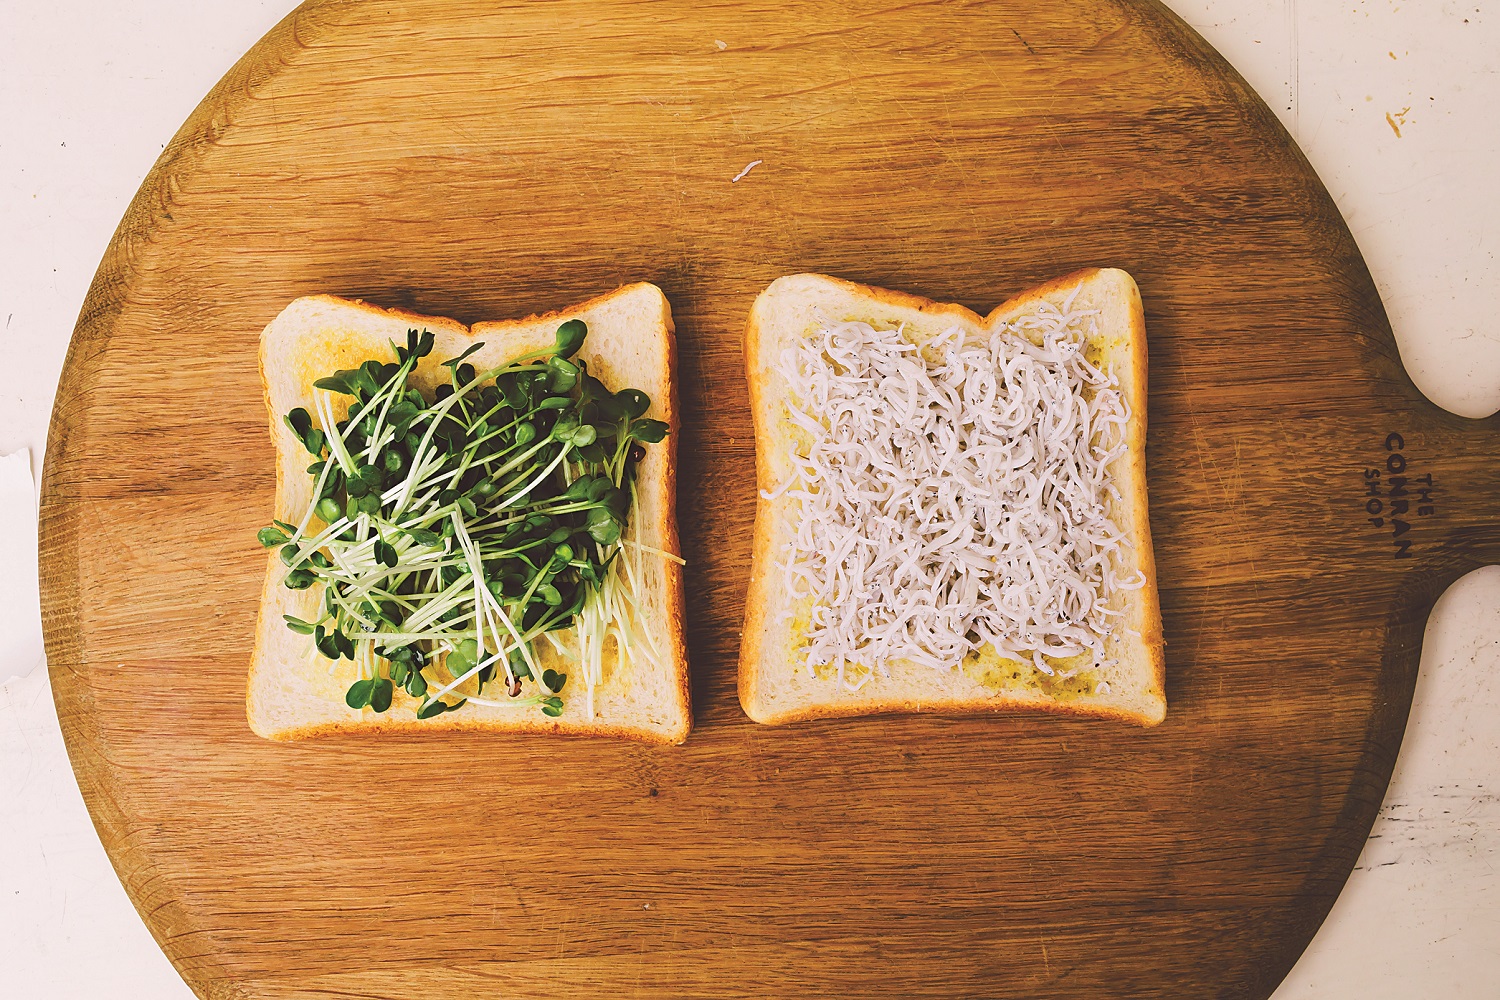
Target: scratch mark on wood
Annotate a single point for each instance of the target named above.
(1294, 69)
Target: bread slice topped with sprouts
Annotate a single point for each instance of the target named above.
(952, 513)
(474, 528)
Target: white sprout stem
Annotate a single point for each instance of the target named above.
(438, 413)
(391, 395)
(653, 550)
(486, 601)
(539, 478)
(313, 506)
(476, 569)
(324, 405)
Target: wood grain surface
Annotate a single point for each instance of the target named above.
(485, 160)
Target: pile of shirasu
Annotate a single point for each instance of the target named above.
(954, 495)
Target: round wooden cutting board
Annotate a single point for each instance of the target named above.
(484, 160)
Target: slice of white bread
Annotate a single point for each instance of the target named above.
(294, 692)
(775, 685)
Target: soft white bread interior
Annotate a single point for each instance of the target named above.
(293, 692)
(775, 685)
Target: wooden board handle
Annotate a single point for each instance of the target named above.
(1452, 476)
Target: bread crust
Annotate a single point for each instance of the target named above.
(676, 589)
(747, 680)
(759, 597)
(1150, 597)
(665, 407)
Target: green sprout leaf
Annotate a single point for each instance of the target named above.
(416, 684)
(417, 345)
(298, 625)
(371, 477)
(570, 337)
(649, 431)
(423, 537)
(359, 693)
(300, 421)
(364, 380)
(334, 383)
(300, 579)
(452, 363)
(632, 402)
(562, 375)
(606, 532)
(271, 536)
(433, 708)
(463, 657)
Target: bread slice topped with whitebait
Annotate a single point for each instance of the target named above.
(952, 513)
(474, 528)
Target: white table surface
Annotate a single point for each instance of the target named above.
(1391, 99)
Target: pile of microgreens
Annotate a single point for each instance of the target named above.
(449, 535)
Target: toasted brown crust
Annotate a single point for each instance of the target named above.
(676, 593)
(457, 723)
(675, 602)
(758, 598)
(999, 703)
(1150, 598)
